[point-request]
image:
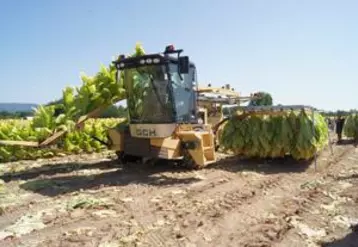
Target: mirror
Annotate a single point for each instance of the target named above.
(183, 64)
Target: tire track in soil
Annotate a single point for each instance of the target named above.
(53, 235)
(144, 221)
(301, 203)
(35, 204)
(306, 204)
(68, 222)
(234, 210)
(227, 196)
(224, 202)
(62, 219)
(160, 237)
(239, 187)
(246, 218)
(316, 209)
(38, 201)
(50, 231)
(230, 198)
(229, 192)
(12, 214)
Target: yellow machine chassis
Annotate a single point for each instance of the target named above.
(193, 144)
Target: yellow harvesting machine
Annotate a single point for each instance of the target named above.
(169, 116)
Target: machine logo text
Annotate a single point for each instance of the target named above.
(145, 132)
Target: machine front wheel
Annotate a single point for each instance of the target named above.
(188, 161)
(127, 158)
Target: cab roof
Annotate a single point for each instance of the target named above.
(148, 59)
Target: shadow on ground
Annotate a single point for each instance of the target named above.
(352, 176)
(265, 166)
(277, 165)
(232, 164)
(53, 169)
(55, 179)
(345, 142)
(120, 176)
(350, 240)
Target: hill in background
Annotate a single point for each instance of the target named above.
(17, 107)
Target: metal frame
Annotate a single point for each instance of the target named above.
(231, 101)
(223, 96)
(276, 108)
(134, 62)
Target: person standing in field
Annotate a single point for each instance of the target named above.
(339, 127)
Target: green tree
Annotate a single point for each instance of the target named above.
(264, 99)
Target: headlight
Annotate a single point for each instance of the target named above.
(142, 61)
(149, 60)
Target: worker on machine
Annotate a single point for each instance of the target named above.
(339, 127)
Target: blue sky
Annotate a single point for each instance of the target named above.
(302, 52)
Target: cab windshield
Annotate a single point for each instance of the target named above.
(148, 95)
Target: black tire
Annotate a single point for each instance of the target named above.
(188, 162)
(127, 158)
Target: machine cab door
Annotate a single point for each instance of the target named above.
(184, 95)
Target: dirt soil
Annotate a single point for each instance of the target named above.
(91, 200)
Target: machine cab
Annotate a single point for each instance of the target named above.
(160, 92)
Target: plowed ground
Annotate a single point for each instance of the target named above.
(93, 201)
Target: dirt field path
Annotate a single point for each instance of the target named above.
(92, 201)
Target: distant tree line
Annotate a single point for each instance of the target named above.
(111, 112)
(15, 115)
(338, 113)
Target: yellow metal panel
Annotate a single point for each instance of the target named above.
(117, 139)
(116, 147)
(172, 145)
(165, 142)
(222, 91)
(192, 127)
(215, 120)
(173, 154)
(204, 153)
